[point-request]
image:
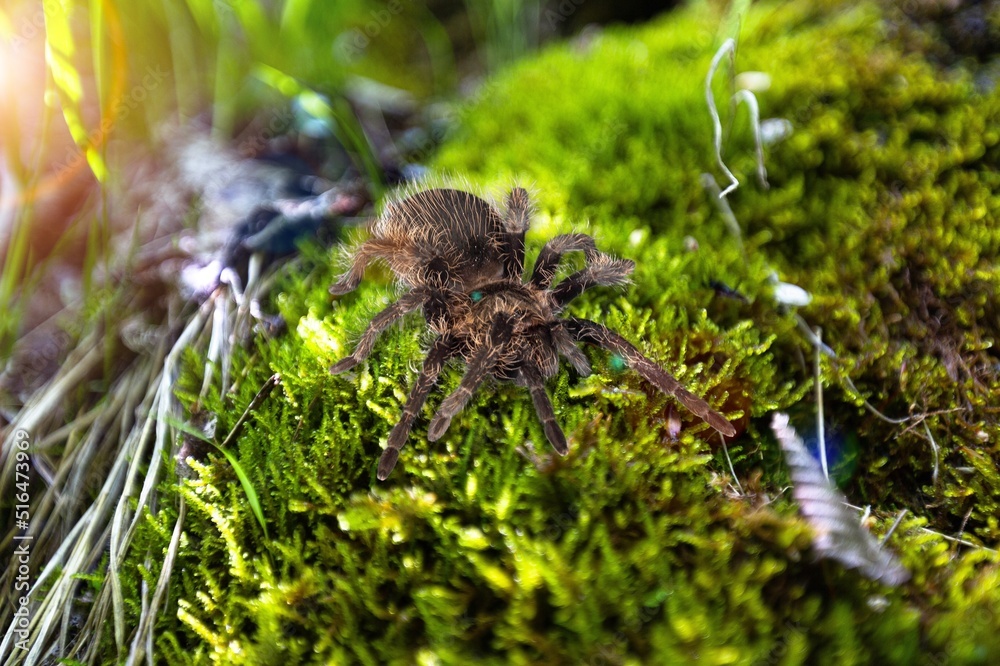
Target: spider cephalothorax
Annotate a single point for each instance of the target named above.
(462, 261)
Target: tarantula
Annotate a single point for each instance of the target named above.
(462, 261)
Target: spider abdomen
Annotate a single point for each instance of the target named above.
(443, 229)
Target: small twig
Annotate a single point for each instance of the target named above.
(261, 396)
(927, 530)
(729, 46)
(934, 447)
(826, 349)
(961, 530)
(959, 540)
(816, 342)
(725, 449)
(751, 101)
(894, 525)
(709, 183)
(148, 616)
(748, 98)
(918, 419)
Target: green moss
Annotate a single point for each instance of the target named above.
(635, 547)
(882, 205)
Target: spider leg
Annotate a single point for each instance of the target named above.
(516, 221)
(567, 347)
(603, 270)
(483, 361)
(552, 252)
(543, 407)
(444, 348)
(479, 367)
(370, 249)
(595, 334)
(405, 305)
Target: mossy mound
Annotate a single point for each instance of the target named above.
(639, 548)
(882, 205)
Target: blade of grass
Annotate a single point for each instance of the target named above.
(15, 263)
(353, 136)
(60, 49)
(293, 16)
(248, 488)
(145, 631)
(441, 51)
(97, 23)
(224, 90)
(252, 498)
(184, 68)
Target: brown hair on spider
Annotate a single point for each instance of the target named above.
(462, 262)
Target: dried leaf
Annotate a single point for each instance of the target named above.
(839, 534)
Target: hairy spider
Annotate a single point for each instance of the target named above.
(463, 261)
(440, 243)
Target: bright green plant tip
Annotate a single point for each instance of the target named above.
(245, 483)
(248, 488)
(60, 51)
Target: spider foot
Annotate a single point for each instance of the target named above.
(343, 287)
(386, 463)
(343, 365)
(556, 437)
(439, 426)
